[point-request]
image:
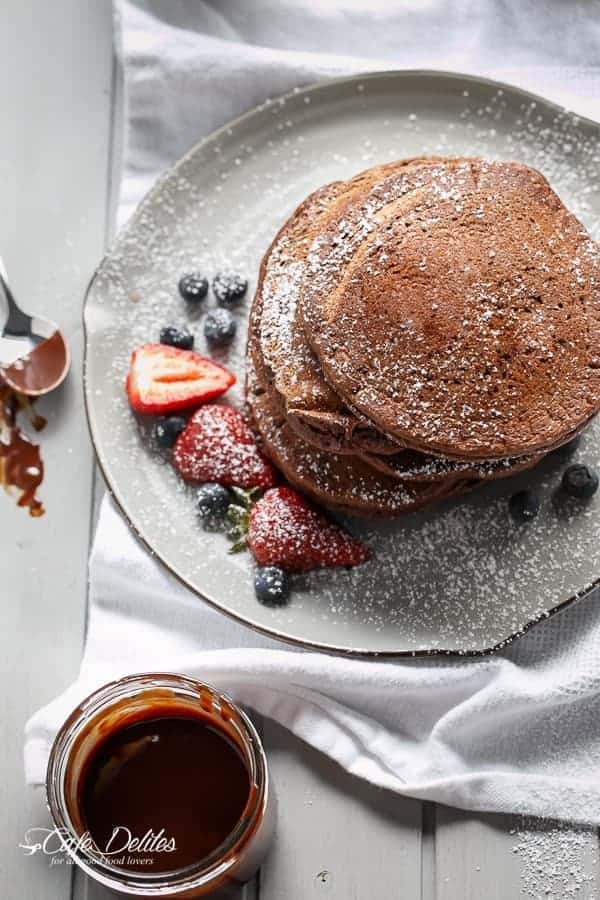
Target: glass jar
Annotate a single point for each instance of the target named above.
(132, 700)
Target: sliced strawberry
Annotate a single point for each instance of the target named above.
(164, 379)
(217, 445)
(287, 532)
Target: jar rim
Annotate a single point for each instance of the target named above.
(213, 867)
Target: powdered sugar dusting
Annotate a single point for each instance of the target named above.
(533, 309)
(285, 530)
(460, 576)
(558, 861)
(279, 316)
(217, 445)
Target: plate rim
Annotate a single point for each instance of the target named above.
(113, 489)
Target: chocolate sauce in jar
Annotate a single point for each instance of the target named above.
(179, 769)
(173, 787)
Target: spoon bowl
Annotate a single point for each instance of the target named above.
(34, 356)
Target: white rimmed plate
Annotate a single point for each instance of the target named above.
(459, 577)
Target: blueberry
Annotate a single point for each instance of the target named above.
(524, 506)
(212, 502)
(177, 337)
(193, 287)
(167, 430)
(580, 481)
(229, 288)
(220, 327)
(271, 586)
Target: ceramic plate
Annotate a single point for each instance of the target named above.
(457, 578)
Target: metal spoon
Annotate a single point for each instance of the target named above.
(34, 356)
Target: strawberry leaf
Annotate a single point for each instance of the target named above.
(247, 498)
(238, 547)
(236, 522)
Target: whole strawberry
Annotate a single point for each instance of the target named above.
(218, 446)
(287, 532)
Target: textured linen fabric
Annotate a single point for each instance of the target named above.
(518, 731)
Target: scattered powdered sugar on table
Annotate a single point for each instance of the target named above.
(558, 861)
(460, 576)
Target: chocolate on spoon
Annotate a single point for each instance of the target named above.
(34, 357)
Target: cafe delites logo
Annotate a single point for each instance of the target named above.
(123, 848)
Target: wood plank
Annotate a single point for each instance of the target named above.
(55, 80)
(505, 857)
(337, 836)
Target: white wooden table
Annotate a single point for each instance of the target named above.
(337, 837)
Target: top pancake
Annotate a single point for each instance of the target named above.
(456, 305)
(322, 420)
(313, 409)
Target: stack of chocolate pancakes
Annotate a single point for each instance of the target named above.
(426, 326)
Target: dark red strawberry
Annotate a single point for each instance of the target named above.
(165, 380)
(217, 445)
(287, 532)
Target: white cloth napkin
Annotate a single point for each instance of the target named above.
(515, 732)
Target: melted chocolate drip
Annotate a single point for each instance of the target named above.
(21, 466)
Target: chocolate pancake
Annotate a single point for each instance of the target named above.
(313, 409)
(414, 466)
(310, 406)
(345, 483)
(456, 305)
